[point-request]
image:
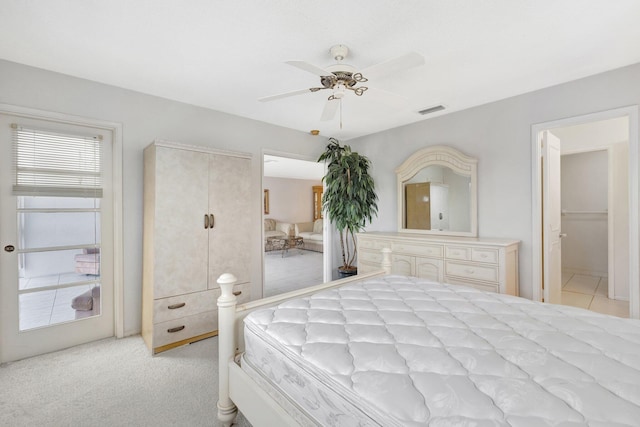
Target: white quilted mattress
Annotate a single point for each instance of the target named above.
(403, 351)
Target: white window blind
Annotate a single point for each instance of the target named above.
(47, 163)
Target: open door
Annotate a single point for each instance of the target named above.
(551, 219)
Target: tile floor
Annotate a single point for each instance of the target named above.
(48, 307)
(590, 292)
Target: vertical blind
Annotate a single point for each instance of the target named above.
(48, 163)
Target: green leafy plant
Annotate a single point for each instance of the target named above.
(349, 197)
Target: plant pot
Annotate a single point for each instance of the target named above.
(346, 272)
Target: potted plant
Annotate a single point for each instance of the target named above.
(349, 197)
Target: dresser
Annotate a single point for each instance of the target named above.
(195, 200)
(487, 264)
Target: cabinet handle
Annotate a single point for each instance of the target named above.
(210, 220)
(174, 306)
(206, 221)
(236, 293)
(176, 329)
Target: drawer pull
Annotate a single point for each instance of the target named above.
(174, 306)
(236, 293)
(469, 270)
(483, 255)
(176, 329)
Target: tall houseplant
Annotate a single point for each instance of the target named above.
(349, 197)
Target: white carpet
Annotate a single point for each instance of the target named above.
(296, 270)
(113, 383)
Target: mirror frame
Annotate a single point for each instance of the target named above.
(439, 155)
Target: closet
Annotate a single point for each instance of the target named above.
(196, 222)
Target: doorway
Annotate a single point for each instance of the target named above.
(295, 252)
(609, 141)
(58, 228)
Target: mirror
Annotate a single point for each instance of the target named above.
(437, 193)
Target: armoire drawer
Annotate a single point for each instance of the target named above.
(471, 271)
(179, 306)
(242, 292)
(187, 327)
(417, 250)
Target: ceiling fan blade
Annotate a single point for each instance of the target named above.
(330, 109)
(310, 68)
(393, 66)
(287, 94)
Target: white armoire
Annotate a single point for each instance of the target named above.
(196, 221)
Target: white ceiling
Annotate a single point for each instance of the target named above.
(225, 55)
(285, 167)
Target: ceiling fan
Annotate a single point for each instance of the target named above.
(340, 78)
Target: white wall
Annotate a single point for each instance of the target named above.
(499, 136)
(145, 118)
(584, 188)
(290, 200)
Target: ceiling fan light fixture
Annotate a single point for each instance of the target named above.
(339, 90)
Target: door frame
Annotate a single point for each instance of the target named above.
(631, 112)
(116, 169)
(327, 244)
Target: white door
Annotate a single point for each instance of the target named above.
(56, 250)
(551, 219)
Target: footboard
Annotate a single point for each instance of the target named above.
(231, 343)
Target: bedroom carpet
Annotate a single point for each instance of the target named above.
(296, 270)
(113, 383)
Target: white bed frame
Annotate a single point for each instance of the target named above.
(236, 388)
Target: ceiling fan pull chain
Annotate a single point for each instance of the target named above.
(340, 113)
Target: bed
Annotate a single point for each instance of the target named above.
(401, 351)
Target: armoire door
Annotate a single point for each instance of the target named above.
(230, 205)
(180, 237)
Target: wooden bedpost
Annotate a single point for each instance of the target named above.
(386, 260)
(227, 410)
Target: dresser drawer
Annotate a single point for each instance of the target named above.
(484, 255)
(373, 243)
(184, 328)
(166, 309)
(471, 271)
(370, 256)
(366, 267)
(418, 250)
(456, 252)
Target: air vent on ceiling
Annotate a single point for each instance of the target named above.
(431, 109)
